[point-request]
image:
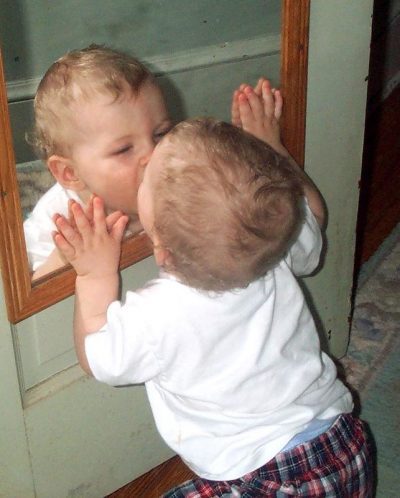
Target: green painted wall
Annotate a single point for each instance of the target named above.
(147, 28)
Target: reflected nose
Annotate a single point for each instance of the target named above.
(141, 173)
(146, 154)
(144, 161)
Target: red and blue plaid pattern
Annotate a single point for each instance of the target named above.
(336, 464)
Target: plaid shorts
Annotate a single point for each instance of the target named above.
(338, 463)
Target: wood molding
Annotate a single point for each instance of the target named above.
(14, 266)
(294, 65)
(157, 481)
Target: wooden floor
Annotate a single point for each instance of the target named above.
(378, 214)
(157, 481)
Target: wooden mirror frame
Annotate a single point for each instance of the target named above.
(24, 299)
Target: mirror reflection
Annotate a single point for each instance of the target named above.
(113, 114)
(65, 166)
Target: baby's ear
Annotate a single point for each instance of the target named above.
(162, 256)
(64, 172)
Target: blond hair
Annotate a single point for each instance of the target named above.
(78, 75)
(227, 206)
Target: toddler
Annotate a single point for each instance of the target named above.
(98, 115)
(223, 339)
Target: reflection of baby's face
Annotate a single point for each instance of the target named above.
(113, 143)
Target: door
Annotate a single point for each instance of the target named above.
(64, 434)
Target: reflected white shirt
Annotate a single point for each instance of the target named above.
(39, 225)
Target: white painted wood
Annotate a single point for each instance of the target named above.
(337, 89)
(15, 469)
(88, 439)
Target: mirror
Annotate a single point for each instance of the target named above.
(24, 298)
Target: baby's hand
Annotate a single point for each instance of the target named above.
(91, 243)
(258, 111)
(235, 112)
(88, 211)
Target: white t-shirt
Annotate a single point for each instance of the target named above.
(39, 225)
(231, 377)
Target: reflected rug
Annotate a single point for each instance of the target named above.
(34, 179)
(371, 367)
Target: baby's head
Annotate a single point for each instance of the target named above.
(221, 206)
(74, 78)
(98, 115)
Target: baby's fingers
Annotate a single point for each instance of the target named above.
(258, 87)
(71, 219)
(69, 239)
(63, 246)
(99, 216)
(235, 113)
(278, 104)
(82, 223)
(251, 111)
(118, 228)
(112, 218)
(268, 99)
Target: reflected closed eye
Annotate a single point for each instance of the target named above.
(123, 150)
(160, 134)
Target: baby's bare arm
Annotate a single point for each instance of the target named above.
(313, 195)
(94, 252)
